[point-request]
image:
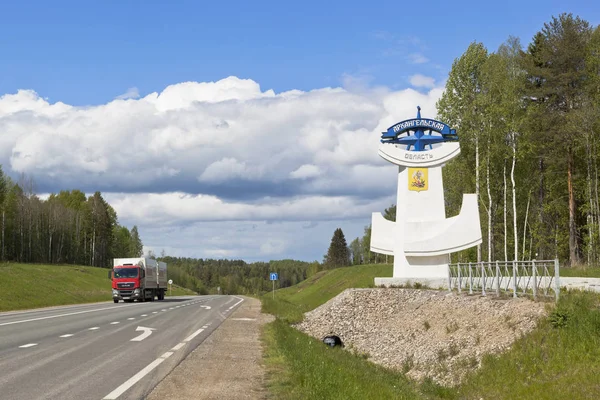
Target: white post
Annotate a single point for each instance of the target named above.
(556, 279)
(533, 272)
(497, 279)
(273, 289)
(514, 278)
(482, 279)
(470, 280)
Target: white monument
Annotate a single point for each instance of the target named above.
(422, 238)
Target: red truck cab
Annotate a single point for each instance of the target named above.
(126, 283)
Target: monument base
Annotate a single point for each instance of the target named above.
(422, 267)
(433, 283)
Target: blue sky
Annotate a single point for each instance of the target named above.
(89, 52)
(233, 129)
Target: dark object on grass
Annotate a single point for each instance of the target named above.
(333, 341)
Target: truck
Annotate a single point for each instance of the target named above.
(141, 278)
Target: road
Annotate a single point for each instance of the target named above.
(103, 350)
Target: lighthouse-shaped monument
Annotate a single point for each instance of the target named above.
(422, 238)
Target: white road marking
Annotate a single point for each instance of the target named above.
(94, 328)
(171, 308)
(114, 323)
(28, 345)
(67, 335)
(235, 303)
(193, 335)
(144, 315)
(130, 319)
(147, 332)
(206, 307)
(178, 346)
(133, 380)
(154, 312)
(167, 354)
(163, 310)
(60, 315)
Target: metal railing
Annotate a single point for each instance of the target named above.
(520, 278)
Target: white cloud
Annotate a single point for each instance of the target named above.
(223, 152)
(131, 93)
(419, 80)
(417, 58)
(305, 171)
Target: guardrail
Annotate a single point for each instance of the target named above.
(521, 278)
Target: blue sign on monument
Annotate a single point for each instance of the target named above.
(415, 136)
(273, 276)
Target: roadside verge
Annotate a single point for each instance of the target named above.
(227, 365)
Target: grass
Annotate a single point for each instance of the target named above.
(301, 367)
(25, 286)
(292, 302)
(559, 359)
(581, 272)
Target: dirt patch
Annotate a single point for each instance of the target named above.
(424, 333)
(227, 365)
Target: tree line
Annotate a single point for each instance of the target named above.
(528, 121)
(235, 276)
(66, 228)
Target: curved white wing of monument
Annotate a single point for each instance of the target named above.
(430, 238)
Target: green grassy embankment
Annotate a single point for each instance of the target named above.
(25, 286)
(301, 367)
(559, 359)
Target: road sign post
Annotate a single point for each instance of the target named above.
(170, 290)
(274, 277)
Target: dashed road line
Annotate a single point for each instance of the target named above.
(144, 315)
(66, 335)
(130, 319)
(28, 345)
(178, 346)
(193, 335)
(114, 323)
(94, 328)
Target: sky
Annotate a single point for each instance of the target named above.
(233, 129)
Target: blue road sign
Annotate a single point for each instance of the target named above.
(273, 276)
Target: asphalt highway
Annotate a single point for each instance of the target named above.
(102, 350)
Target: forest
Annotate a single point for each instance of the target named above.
(66, 228)
(236, 276)
(528, 121)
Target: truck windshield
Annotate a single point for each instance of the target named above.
(126, 272)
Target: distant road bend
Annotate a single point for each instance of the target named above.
(103, 350)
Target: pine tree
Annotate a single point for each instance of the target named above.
(338, 254)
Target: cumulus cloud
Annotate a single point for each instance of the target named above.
(131, 93)
(216, 151)
(305, 171)
(419, 80)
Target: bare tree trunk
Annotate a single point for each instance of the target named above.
(477, 185)
(514, 194)
(489, 193)
(573, 246)
(541, 197)
(590, 216)
(3, 230)
(597, 208)
(525, 225)
(94, 248)
(505, 212)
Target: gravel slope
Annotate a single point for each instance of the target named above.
(425, 333)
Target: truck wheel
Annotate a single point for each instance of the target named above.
(115, 300)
